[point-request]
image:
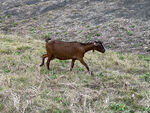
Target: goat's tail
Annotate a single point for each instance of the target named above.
(46, 40)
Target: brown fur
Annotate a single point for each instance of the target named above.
(69, 50)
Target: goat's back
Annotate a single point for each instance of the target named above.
(64, 50)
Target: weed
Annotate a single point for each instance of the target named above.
(98, 34)
(100, 75)
(121, 57)
(130, 33)
(88, 26)
(145, 109)
(1, 106)
(33, 30)
(8, 16)
(7, 70)
(146, 77)
(147, 58)
(15, 24)
(97, 27)
(22, 49)
(79, 68)
(57, 33)
(35, 18)
(63, 100)
(44, 71)
(67, 111)
(85, 81)
(54, 110)
(148, 50)
(22, 79)
(6, 51)
(58, 99)
(65, 34)
(84, 23)
(132, 111)
(62, 62)
(44, 94)
(7, 40)
(133, 26)
(118, 107)
(88, 37)
(48, 35)
(105, 27)
(54, 76)
(110, 46)
(80, 31)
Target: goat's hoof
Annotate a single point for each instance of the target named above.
(41, 65)
(91, 73)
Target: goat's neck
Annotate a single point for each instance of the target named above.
(89, 47)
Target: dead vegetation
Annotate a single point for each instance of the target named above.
(121, 81)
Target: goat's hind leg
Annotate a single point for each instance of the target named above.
(43, 59)
(48, 62)
(72, 64)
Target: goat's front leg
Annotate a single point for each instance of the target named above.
(72, 64)
(43, 59)
(82, 61)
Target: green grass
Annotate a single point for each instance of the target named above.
(120, 82)
(118, 107)
(15, 24)
(130, 33)
(47, 35)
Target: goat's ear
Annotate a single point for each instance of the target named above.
(96, 44)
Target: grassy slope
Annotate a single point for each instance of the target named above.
(121, 81)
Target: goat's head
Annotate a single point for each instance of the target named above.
(99, 46)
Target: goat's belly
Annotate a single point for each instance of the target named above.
(64, 57)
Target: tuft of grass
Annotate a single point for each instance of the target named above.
(100, 74)
(7, 70)
(130, 33)
(146, 77)
(133, 26)
(147, 58)
(66, 33)
(6, 51)
(98, 34)
(88, 26)
(47, 35)
(148, 50)
(22, 49)
(15, 24)
(9, 16)
(118, 107)
(1, 106)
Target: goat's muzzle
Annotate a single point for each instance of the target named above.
(103, 51)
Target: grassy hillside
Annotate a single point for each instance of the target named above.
(121, 81)
(123, 24)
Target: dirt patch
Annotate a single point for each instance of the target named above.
(123, 25)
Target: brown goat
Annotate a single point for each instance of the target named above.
(69, 50)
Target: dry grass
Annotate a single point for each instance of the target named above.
(121, 81)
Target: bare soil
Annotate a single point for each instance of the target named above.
(123, 25)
